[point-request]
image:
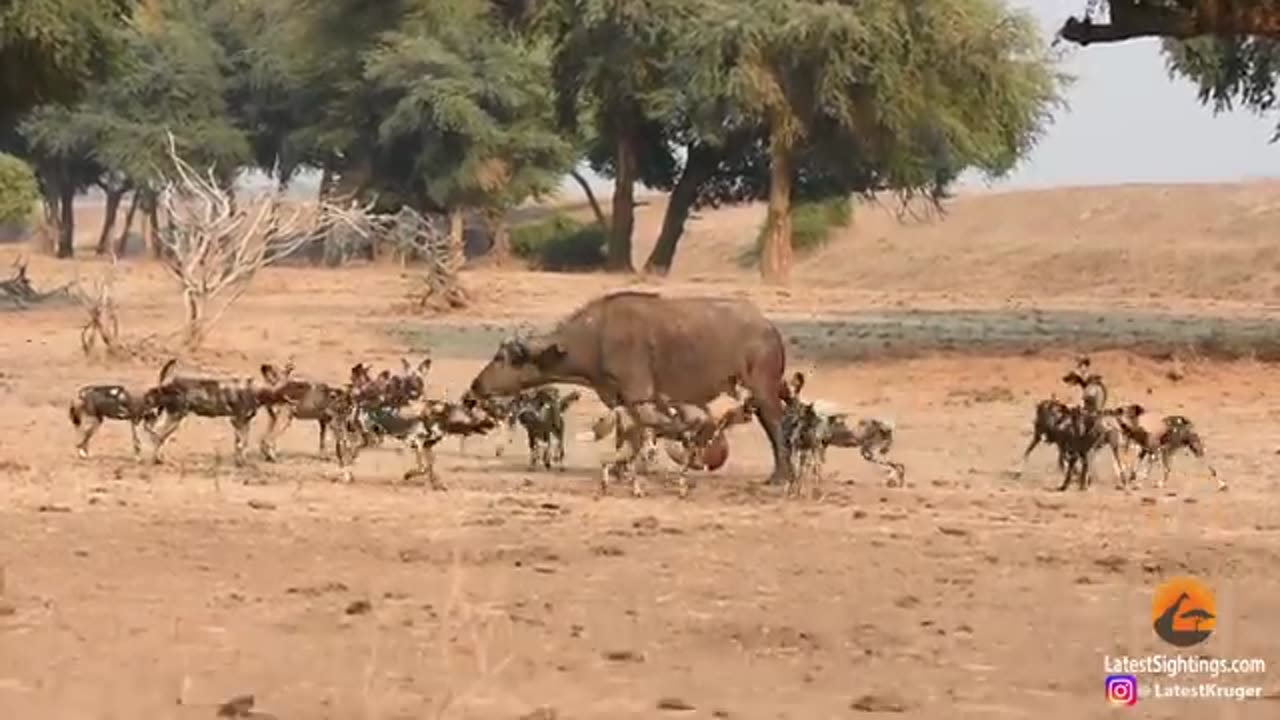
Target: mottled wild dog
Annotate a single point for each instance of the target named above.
(635, 448)
(1093, 392)
(1081, 433)
(1050, 426)
(235, 399)
(873, 438)
(301, 399)
(697, 441)
(420, 432)
(95, 403)
(1160, 438)
(541, 414)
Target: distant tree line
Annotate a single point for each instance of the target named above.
(474, 106)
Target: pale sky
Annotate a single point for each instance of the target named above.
(1128, 121)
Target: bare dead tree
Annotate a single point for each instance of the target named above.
(102, 323)
(19, 291)
(214, 246)
(440, 289)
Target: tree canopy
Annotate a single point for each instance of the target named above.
(50, 50)
(457, 106)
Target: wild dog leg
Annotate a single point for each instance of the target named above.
(279, 419)
(161, 436)
(240, 426)
(88, 428)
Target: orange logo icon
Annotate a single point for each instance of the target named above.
(1183, 612)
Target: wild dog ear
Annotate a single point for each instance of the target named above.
(167, 370)
(425, 365)
(269, 373)
(404, 363)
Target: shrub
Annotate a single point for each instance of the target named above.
(560, 243)
(811, 224)
(18, 191)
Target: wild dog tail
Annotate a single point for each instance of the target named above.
(73, 411)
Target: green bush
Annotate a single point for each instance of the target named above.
(18, 191)
(811, 224)
(560, 243)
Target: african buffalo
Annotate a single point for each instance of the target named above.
(631, 346)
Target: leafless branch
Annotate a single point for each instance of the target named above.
(214, 247)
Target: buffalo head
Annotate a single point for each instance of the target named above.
(519, 364)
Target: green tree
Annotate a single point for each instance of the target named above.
(612, 67)
(168, 79)
(1229, 72)
(50, 50)
(468, 107)
(879, 95)
(18, 191)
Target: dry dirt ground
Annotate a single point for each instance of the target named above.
(131, 591)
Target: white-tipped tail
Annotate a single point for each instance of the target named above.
(585, 436)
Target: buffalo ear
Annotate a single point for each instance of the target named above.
(550, 355)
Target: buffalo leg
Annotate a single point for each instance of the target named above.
(769, 413)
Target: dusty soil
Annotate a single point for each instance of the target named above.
(135, 591)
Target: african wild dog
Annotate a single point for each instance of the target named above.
(1092, 390)
(304, 400)
(635, 448)
(541, 414)
(1160, 440)
(872, 437)
(1049, 426)
(95, 403)
(177, 397)
(420, 432)
(1079, 433)
(696, 440)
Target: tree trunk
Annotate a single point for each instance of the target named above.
(326, 183)
(114, 196)
(699, 166)
(457, 251)
(776, 255)
(591, 198)
(151, 231)
(195, 305)
(67, 221)
(122, 242)
(500, 250)
(618, 258)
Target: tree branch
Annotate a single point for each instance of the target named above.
(1132, 19)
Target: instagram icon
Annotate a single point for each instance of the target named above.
(1122, 689)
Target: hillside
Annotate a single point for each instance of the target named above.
(1138, 241)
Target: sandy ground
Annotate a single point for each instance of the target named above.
(132, 591)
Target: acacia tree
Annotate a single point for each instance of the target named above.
(168, 76)
(880, 94)
(613, 64)
(51, 50)
(466, 121)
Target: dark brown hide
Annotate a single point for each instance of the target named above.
(630, 346)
